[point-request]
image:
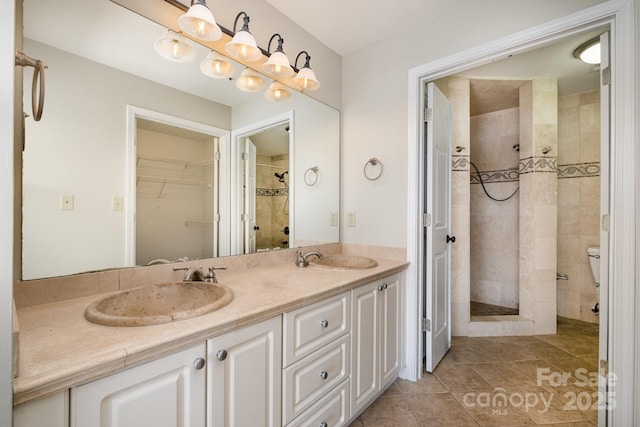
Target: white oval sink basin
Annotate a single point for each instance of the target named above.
(344, 262)
(157, 304)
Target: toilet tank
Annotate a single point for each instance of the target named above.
(594, 262)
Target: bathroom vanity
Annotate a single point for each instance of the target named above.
(296, 346)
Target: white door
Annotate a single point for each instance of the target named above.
(436, 281)
(249, 197)
(604, 210)
(244, 376)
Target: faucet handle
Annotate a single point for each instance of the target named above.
(217, 268)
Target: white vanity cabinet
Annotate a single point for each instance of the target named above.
(50, 411)
(376, 334)
(316, 363)
(244, 376)
(167, 392)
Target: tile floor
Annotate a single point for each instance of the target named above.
(500, 381)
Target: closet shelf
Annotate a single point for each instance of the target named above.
(173, 181)
(207, 161)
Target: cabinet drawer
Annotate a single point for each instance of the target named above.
(308, 380)
(312, 327)
(332, 410)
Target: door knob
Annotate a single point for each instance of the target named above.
(256, 227)
(451, 239)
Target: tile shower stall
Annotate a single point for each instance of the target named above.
(508, 253)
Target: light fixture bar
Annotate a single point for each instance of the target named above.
(225, 30)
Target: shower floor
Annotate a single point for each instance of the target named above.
(481, 309)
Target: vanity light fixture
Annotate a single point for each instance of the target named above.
(277, 92)
(249, 81)
(305, 78)
(243, 46)
(174, 47)
(589, 51)
(278, 63)
(217, 66)
(199, 22)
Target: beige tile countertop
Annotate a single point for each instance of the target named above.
(60, 349)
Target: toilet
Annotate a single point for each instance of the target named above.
(594, 263)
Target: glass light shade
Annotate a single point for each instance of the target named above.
(277, 92)
(217, 66)
(249, 81)
(199, 22)
(306, 79)
(174, 47)
(278, 65)
(243, 46)
(589, 52)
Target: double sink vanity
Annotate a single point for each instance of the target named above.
(270, 344)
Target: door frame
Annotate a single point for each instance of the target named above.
(237, 201)
(620, 16)
(221, 205)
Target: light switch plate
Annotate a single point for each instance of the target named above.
(351, 219)
(117, 203)
(333, 219)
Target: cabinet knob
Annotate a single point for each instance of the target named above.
(324, 375)
(221, 355)
(382, 287)
(199, 363)
(324, 323)
(323, 424)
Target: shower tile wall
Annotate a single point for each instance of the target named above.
(578, 201)
(494, 225)
(271, 213)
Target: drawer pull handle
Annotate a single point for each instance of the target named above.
(382, 287)
(324, 323)
(199, 363)
(323, 424)
(324, 375)
(221, 355)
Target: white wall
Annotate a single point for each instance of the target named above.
(83, 134)
(7, 69)
(374, 104)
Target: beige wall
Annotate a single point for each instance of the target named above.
(578, 201)
(494, 225)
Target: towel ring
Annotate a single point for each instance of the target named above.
(38, 82)
(373, 162)
(311, 176)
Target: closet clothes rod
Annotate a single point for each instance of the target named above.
(173, 181)
(203, 162)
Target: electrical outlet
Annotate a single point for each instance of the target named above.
(351, 219)
(117, 203)
(333, 219)
(66, 202)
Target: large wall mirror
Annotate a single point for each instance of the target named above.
(138, 160)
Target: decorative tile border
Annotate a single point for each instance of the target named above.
(579, 170)
(272, 191)
(538, 164)
(504, 175)
(460, 163)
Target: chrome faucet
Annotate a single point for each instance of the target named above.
(197, 275)
(302, 260)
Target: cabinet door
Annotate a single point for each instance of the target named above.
(390, 330)
(168, 392)
(244, 376)
(364, 335)
(51, 411)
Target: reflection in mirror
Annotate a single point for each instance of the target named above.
(78, 152)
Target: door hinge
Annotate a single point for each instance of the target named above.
(426, 220)
(216, 217)
(428, 114)
(605, 222)
(606, 76)
(426, 325)
(216, 155)
(244, 217)
(604, 368)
